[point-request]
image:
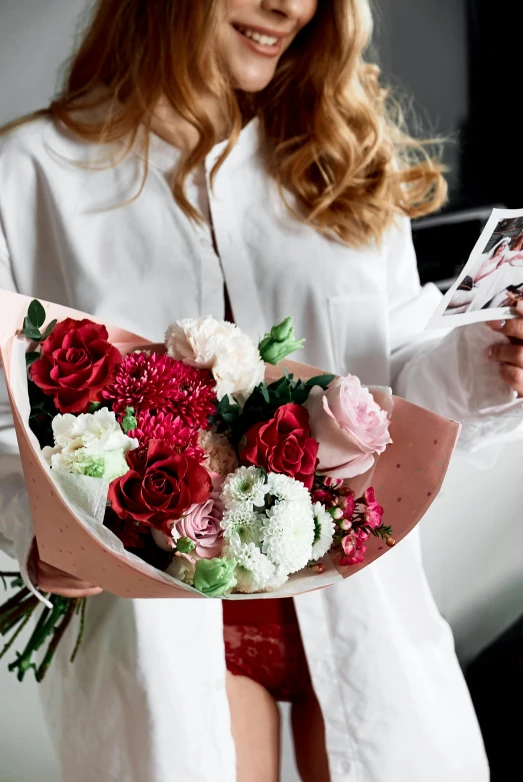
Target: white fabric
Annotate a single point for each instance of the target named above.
(145, 701)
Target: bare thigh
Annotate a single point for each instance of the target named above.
(256, 730)
(309, 738)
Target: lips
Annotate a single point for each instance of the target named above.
(263, 39)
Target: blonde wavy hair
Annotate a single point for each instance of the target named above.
(333, 137)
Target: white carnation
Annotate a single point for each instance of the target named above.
(283, 487)
(89, 444)
(287, 535)
(324, 531)
(231, 355)
(245, 486)
(182, 569)
(242, 521)
(254, 572)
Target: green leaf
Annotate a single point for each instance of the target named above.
(265, 393)
(301, 395)
(36, 314)
(30, 358)
(320, 380)
(49, 329)
(93, 407)
(30, 331)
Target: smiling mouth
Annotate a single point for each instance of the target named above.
(262, 39)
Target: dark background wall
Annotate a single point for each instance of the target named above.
(423, 46)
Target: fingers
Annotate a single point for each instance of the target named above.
(510, 359)
(50, 579)
(506, 353)
(512, 328)
(513, 376)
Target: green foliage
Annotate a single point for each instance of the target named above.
(34, 321)
(36, 314)
(263, 404)
(43, 411)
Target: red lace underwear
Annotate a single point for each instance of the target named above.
(263, 642)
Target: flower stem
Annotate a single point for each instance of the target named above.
(82, 605)
(58, 634)
(19, 630)
(43, 629)
(12, 602)
(7, 621)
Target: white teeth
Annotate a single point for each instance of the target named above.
(265, 40)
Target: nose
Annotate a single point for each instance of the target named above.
(292, 9)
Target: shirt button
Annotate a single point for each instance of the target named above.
(205, 243)
(345, 766)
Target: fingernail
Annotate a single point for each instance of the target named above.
(489, 352)
(498, 324)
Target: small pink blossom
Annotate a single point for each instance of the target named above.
(353, 548)
(373, 511)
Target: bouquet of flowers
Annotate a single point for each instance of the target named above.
(202, 465)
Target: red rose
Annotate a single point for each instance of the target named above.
(283, 445)
(76, 364)
(160, 486)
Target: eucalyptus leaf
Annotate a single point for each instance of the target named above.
(31, 357)
(320, 380)
(36, 314)
(30, 331)
(49, 329)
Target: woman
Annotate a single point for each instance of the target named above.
(485, 276)
(215, 152)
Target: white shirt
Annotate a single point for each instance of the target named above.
(145, 700)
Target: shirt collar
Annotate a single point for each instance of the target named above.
(165, 156)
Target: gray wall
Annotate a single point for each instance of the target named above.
(36, 37)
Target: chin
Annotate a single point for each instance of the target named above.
(254, 81)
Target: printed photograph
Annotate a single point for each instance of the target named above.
(492, 280)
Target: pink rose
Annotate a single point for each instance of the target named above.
(201, 524)
(350, 427)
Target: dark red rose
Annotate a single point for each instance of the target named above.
(131, 534)
(77, 363)
(160, 486)
(283, 444)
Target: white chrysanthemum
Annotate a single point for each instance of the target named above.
(254, 571)
(279, 579)
(324, 528)
(182, 569)
(221, 457)
(245, 486)
(242, 521)
(231, 355)
(89, 444)
(287, 535)
(283, 487)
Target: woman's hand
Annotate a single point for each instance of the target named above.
(49, 579)
(510, 356)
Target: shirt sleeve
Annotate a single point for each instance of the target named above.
(16, 526)
(445, 371)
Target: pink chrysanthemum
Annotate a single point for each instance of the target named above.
(155, 382)
(172, 430)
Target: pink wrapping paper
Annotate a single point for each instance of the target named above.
(407, 478)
